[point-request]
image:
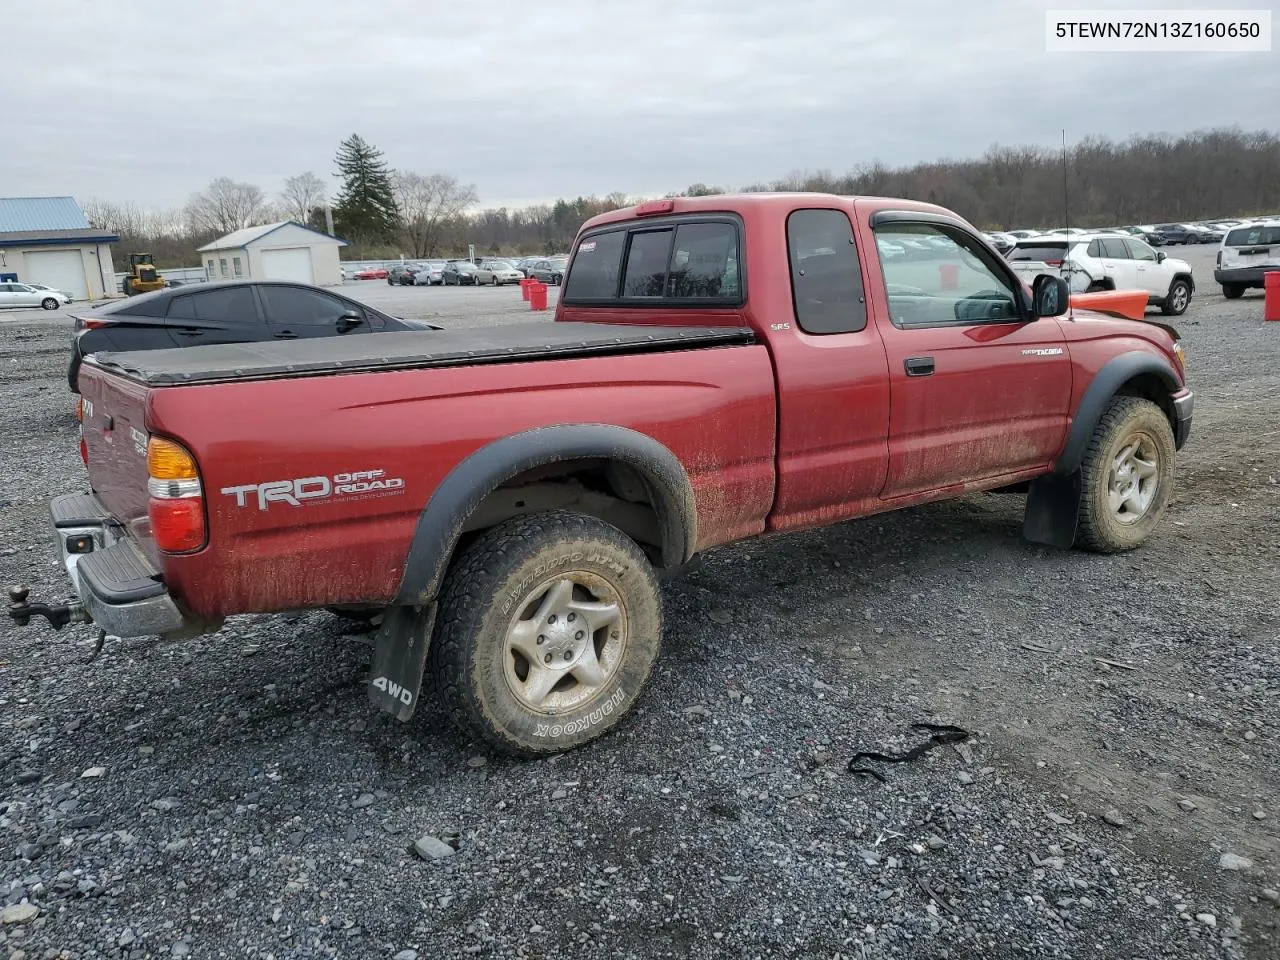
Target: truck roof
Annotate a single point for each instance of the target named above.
(745, 202)
(509, 343)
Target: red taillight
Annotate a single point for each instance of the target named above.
(177, 525)
(92, 323)
(176, 506)
(1053, 263)
(84, 451)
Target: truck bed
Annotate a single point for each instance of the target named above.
(512, 343)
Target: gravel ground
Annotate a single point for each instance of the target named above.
(234, 796)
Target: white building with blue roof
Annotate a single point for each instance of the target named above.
(49, 240)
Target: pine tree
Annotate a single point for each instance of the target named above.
(366, 209)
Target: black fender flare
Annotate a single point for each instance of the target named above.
(1104, 385)
(466, 486)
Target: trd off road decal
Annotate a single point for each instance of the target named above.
(360, 485)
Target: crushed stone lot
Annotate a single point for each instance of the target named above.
(236, 796)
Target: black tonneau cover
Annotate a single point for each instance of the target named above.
(511, 343)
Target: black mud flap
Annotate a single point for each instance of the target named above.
(400, 659)
(1053, 509)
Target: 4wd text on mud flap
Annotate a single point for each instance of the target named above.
(294, 492)
(393, 689)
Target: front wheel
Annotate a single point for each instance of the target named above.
(1233, 291)
(49, 303)
(1177, 299)
(1126, 476)
(548, 629)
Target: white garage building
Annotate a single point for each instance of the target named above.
(49, 240)
(275, 251)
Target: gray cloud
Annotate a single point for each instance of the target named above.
(533, 101)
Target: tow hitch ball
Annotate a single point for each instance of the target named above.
(58, 615)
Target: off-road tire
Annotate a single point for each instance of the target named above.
(1233, 291)
(478, 604)
(1175, 306)
(1125, 418)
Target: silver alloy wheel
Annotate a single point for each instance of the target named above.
(1180, 297)
(565, 642)
(1133, 479)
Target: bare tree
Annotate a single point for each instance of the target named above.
(301, 195)
(226, 206)
(428, 204)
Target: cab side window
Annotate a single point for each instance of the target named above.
(826, 275)
(946, 278)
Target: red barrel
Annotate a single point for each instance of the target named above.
(1271, 291)
(949, 274)
(537, 296)
(524, 288)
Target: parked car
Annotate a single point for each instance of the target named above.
(1246, 254)
(43, 287)
(459, 273)
(431, 274)
(402, 274)
(371, 273)
(1023, 234)
(31, 295)
(1093, 262)
(548, 270)
(508, 508)
(233, 311)
(498, 272)
(1003, 242)
(1174, 233)
(1148, 235)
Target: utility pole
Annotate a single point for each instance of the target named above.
(328, 219)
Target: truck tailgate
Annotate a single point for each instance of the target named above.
(115, 441)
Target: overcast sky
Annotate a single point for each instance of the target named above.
(532, 100)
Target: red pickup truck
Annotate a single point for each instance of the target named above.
(502, 499)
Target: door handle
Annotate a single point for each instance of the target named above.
(919, 366)
(286, 335)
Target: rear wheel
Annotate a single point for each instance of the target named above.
(49, 303)
(549, 626)
(1178, 298)
(1233, 291)
(1126, 476)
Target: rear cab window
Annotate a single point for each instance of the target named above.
(690, 261)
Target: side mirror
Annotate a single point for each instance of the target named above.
(1049, 296)
(1160, 256)
(349, 320)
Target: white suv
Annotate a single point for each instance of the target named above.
(1247, 252)
(1107, 261)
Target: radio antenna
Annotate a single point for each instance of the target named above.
(1066, 214)
(1066, 207)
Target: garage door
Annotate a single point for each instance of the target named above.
(61, 269)
(291, 263)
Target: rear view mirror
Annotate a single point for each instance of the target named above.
(349, 319)
(1049, 296)
(1160, 256)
